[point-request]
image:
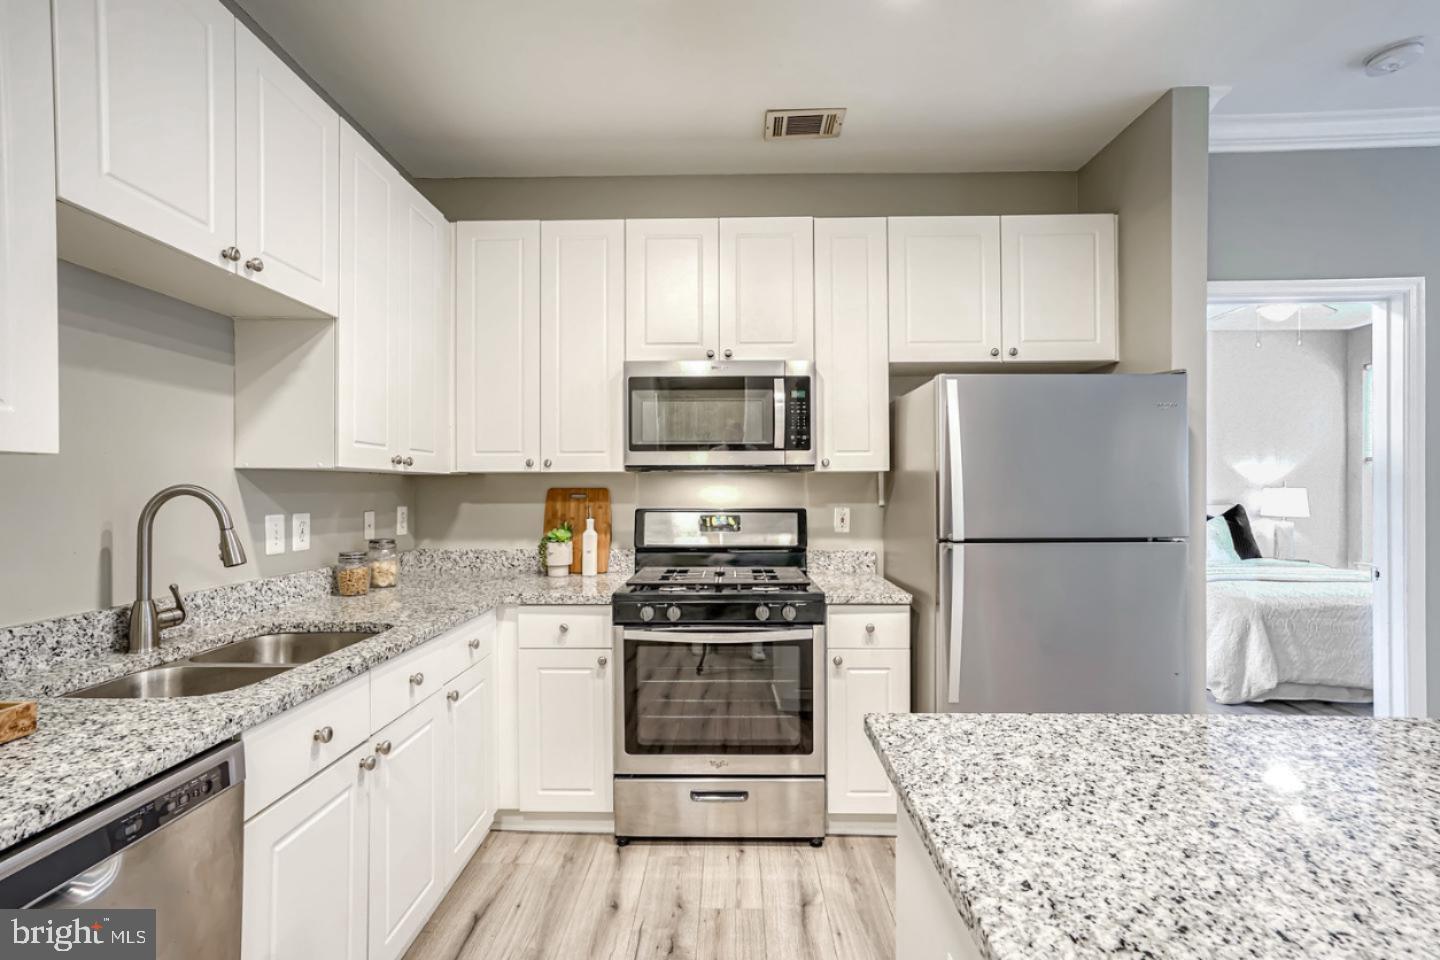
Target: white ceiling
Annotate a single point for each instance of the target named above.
(592, 87)
(1313, 316)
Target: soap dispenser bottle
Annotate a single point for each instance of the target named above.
(589, 549)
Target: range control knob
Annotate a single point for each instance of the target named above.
(647, 613)
(788, 612)
(762, 612)
(673, 613)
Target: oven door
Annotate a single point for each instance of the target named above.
(700, 414)
(720, 702)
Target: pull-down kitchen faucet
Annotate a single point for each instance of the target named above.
(146, 619)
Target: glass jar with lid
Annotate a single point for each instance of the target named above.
(352, 573)
(384, 563)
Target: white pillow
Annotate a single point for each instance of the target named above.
(1219, 544)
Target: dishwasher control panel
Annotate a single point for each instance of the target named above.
(166, 807)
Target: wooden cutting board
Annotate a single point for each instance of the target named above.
(574, 504)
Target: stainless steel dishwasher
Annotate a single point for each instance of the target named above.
(173, 844)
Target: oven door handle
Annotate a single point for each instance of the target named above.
(682, 635)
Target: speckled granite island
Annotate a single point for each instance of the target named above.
(1069, 836)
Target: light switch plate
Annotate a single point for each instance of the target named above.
(369, 524)
(299, 532)
(402, 521)
(842, 519)
(274, 533)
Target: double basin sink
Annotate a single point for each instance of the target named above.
(230, 667)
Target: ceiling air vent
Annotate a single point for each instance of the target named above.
(803, 124)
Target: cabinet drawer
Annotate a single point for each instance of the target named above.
(285, 751)
(405, 681)
(565, 627)
(868, 628)
(465, 646)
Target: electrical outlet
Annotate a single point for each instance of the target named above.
(842, 519)
(300, 532)
(369, 524)
(274, 533)
(402, 521)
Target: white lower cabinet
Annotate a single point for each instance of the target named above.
(468, 806)
(565, 714)
(870, 674)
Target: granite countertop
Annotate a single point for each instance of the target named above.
(1077, 836)
(85, 751)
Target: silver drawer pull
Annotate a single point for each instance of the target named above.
(869, 628)
(453, 696)
(368, 763)
(324, 734)
(416, 679)
(383, 748)
(475, 643)
(564, 628)
(719, 796)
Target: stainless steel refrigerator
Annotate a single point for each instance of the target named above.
(1040, 520)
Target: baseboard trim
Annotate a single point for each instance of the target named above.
(861, 825)
(554, 822)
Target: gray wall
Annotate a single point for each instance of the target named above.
(1277, 414)
(1336, 214)
(146, 401)
(780, 195)
(1154, 175)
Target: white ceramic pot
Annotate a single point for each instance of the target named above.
(558, 557)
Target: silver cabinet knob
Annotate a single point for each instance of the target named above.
(324, 735)
(231, 253)
(1014, 351)
(416, 679)
(529, 462)
(837, 660)
(564, 628)
(710, 354)
(825, 462)
(994, 351)
(869, 628)
(474, 643)
(383, 748)
(367, 763)
(397, 460)
(602, 660)
(255, 264)
(409, 461)
(729, 354)
(453, 696)
(547, 463)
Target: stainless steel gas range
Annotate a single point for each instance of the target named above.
(720, 695)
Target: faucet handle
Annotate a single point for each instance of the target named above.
(175, 615)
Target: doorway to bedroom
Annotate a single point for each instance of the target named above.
(1314, 459)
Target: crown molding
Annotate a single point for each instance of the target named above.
(1325, 130)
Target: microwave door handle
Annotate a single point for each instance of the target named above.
(779, 413)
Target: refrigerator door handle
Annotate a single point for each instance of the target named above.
(952, 471)
(952, 615)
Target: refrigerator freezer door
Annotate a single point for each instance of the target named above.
(1062, 628)
(1063, 457)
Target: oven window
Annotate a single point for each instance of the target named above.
(719, 698)
(702, 413)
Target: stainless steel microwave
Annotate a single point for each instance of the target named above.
(719, 415)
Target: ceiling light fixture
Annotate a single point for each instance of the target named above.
(1394, 58)
(1278, 312)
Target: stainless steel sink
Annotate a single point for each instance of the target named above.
(283, 648)
(178, 681)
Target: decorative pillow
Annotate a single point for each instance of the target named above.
(1240, 533)
(1219, 545)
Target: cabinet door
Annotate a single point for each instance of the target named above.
(863, 681)
(582, 342)
(944, 289)
(851, 344)
(767, 288)
(407, 863)
(365, 327)
(29, 353)
(1059, 287)
(425, 328)
(145, 118)
(287, 179)
(672, 303)
(306, 872)
(497, 341)
(566, 764)
(469, 802)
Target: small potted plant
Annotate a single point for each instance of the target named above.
(557, 551)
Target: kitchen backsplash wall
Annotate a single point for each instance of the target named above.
(146, 401)
(508, 510)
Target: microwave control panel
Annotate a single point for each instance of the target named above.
(797, 413)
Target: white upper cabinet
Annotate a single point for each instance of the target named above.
(945, 289)
(851, 344)
(145, 108)
(497, 346)
(287, 179)
(672, 289)
(1059, 287)
(425, 324)
(582, 343)
(767, 288)
(29, 357)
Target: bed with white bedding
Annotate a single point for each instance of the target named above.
(1288, 630)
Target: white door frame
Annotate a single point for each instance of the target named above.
(1399, 471)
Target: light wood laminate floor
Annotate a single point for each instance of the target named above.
(580, 897)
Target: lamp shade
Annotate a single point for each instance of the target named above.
(1287, 502)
